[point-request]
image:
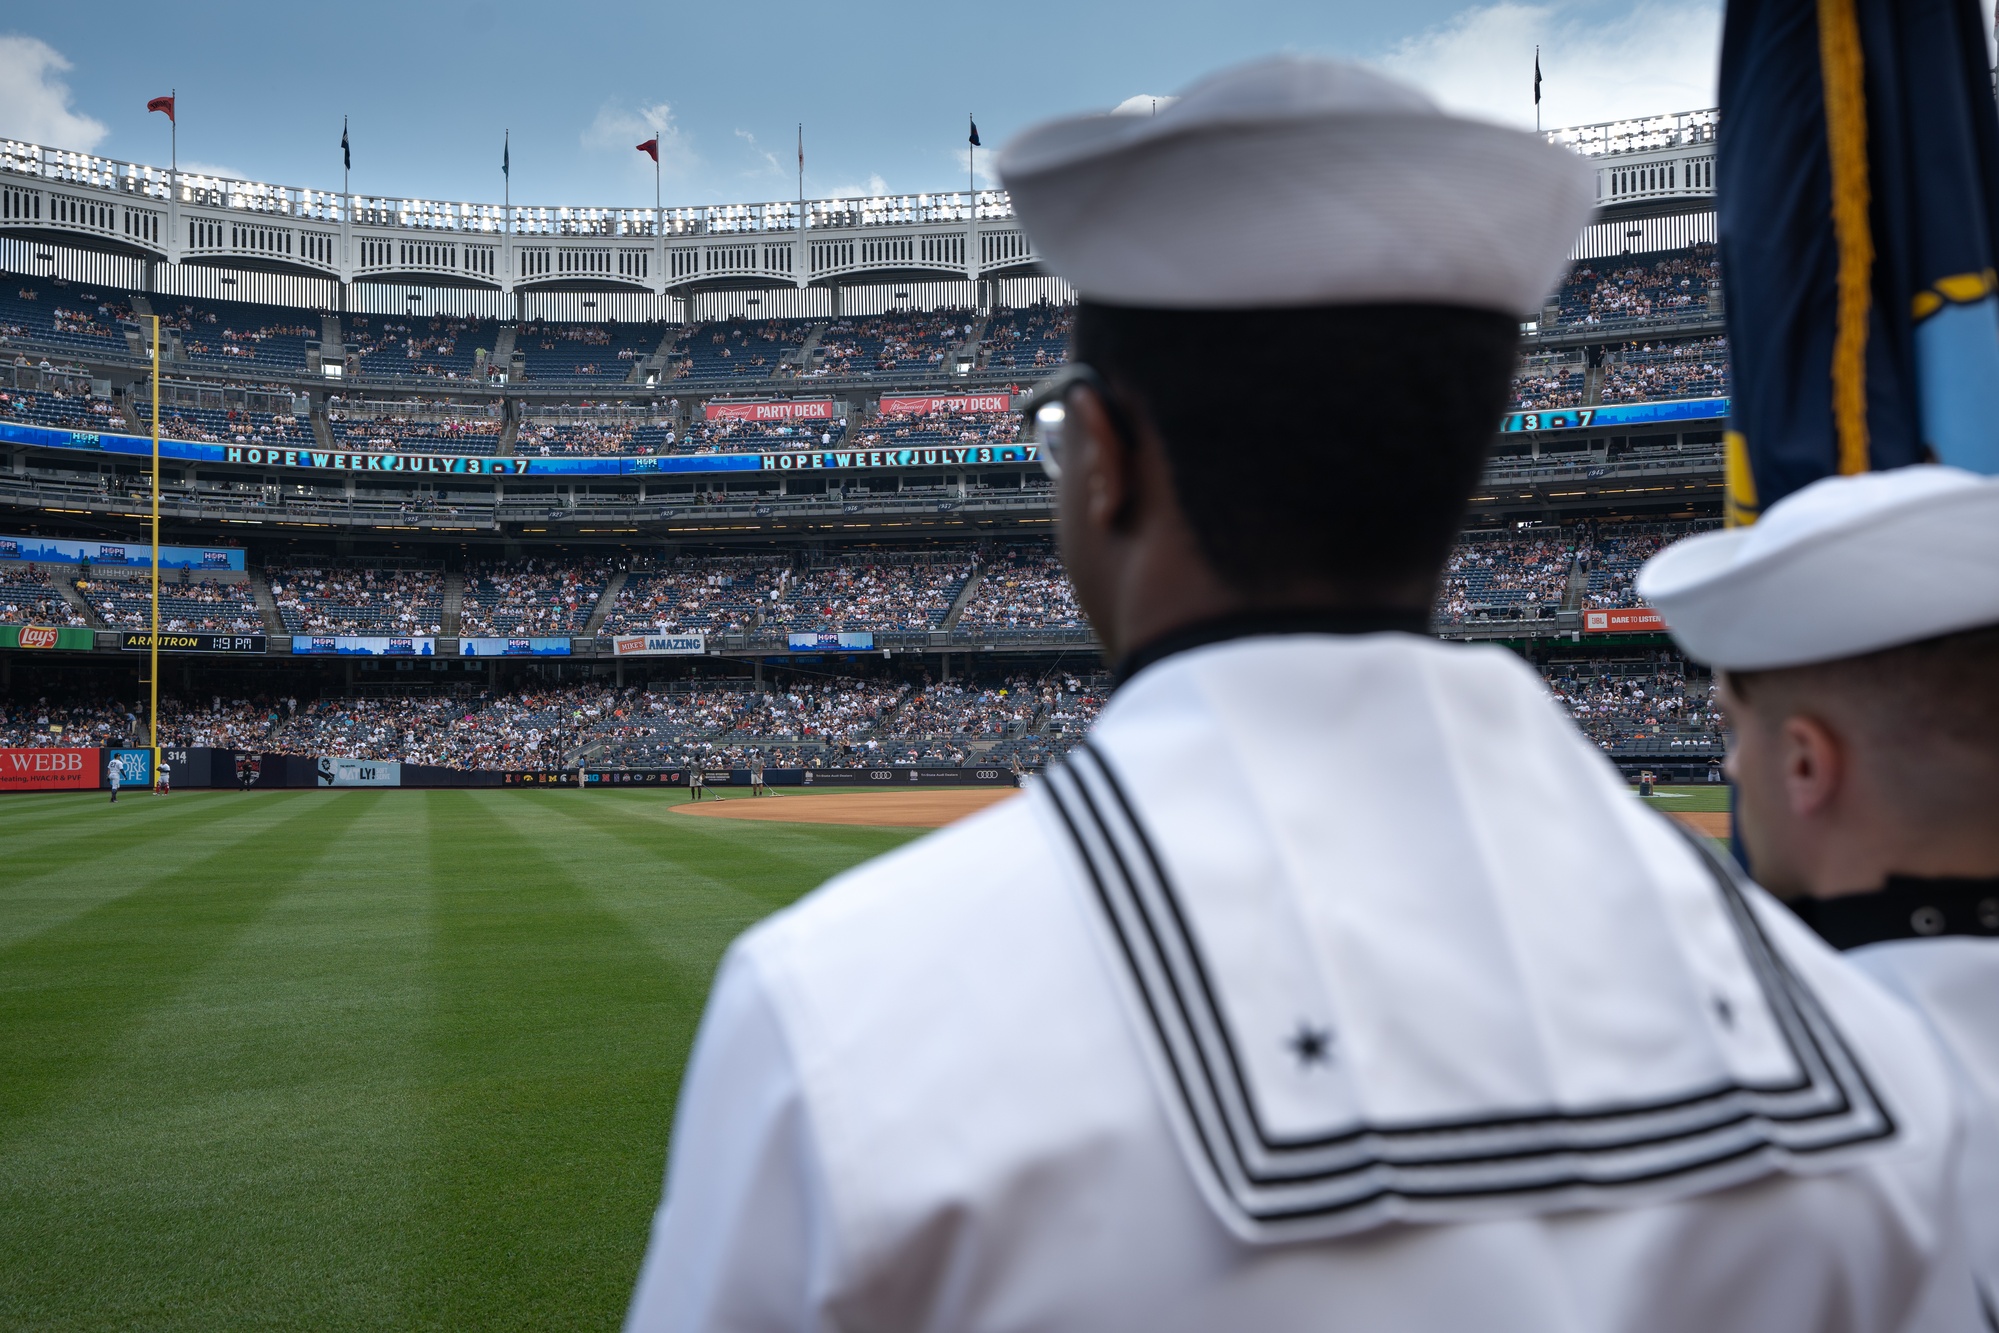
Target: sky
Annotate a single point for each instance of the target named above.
(883, 91)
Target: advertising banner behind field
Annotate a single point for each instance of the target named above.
(50, 770)
(964, 402)
(528, 647)
(361, 645)
(1624, 620)
(359, 773)
(139, 555)
(135, 767)
(170, 642)
(63, 638)
(802, 409)
(659, 645)
(825, 641)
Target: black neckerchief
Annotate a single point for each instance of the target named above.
(1906, 908)
(1247, 624)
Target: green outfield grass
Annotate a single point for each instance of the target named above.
(330, 1060)
(1705, 798)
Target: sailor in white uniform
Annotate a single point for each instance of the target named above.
(1441, 1031)
(1856, 627)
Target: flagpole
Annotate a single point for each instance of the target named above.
(154, 648)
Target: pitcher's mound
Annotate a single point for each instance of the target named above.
(880, 809)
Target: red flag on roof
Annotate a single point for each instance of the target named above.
(650, 148)
(165, 104)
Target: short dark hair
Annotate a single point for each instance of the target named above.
(1326, 444)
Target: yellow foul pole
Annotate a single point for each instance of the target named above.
(154, 661)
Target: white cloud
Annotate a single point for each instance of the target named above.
(766, 161)
(984, 166)
(1650, 58)
(194, 168)
(34, 101)
(874, 185)
(1143, 104)
(619, 130)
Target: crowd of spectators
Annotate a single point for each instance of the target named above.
(936, 430)
(394, 434)
(739, 349)
(359, 600)
(1021, 588)
(1506, 576)
(443, 346)
(900, 340)
(1606, 290)
(1546, 385)
(29, 597)
(1613, 554)
(706, 593)
(1694, 368)
(533, 597)
(1662, 704)
(1029, 338)
(864, 591)
(186, 605)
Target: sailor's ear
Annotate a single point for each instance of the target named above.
(1813, 762)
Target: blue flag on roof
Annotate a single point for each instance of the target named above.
(1858, 182)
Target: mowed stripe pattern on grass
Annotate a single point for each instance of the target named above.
(355, 1059)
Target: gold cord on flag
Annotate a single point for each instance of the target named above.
(1843, 74)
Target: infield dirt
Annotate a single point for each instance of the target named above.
(875, 809)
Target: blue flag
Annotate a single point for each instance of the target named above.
(1858, 182)
(346, 153)
(507, 154)
(975, 134)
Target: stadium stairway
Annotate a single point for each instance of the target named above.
(77, 602)
(963, 599)
(267, 605)
(1578, 584)
(454, 603)
(510, 429)
(503, 347)
(605, 601)
(322, 430)
(803, 357)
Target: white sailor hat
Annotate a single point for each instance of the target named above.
(1845, 566)
(1299, 182)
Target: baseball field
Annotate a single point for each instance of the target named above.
(327, 1060)
(370, 1059)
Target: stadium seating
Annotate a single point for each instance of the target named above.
(185, 604)
(862, 591)
(28, 596)
(441, 346)
(1615, 554)
(1505, 576)
(1692, 368)
(358, 600)
(1022, 589)
(1651, 705)
(710, 594)
(1034, 337)
(241, 336)
(601, 353)
(937, 430)
(450, 435)
(738, 349)
(1606, 290)
(80, 317)
(531, 597)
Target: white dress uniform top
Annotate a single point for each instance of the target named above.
(1440, 1031)
(1843, 567)
(1420, 1023)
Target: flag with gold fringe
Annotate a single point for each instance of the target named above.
(1858, 182)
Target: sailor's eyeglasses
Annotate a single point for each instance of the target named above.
(1045, 413)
